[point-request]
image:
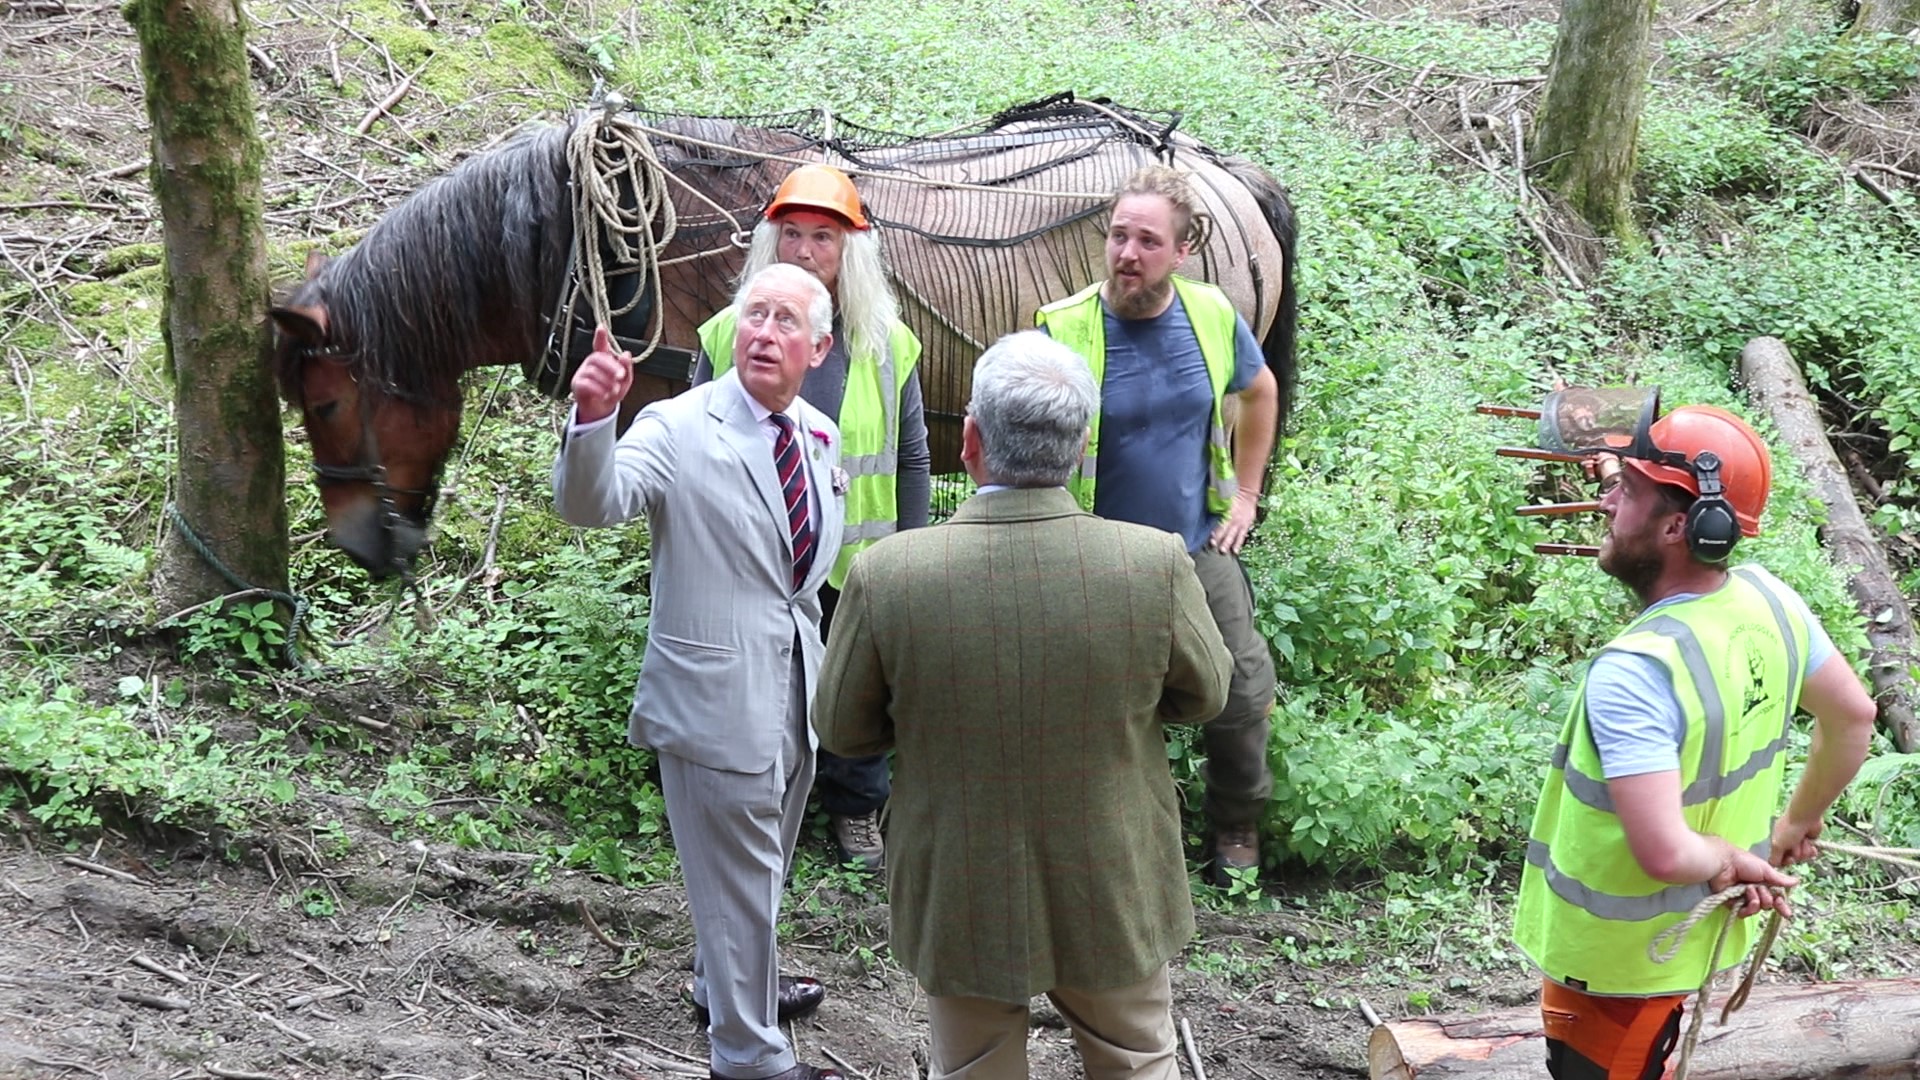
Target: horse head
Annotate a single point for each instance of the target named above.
(376, 450)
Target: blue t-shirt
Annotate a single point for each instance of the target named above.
(1156, 407)
(1633, 712)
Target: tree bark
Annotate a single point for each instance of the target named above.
(1886, 17)
(230, 474)
(1856, 1029)
(1774, 383)
(1589, 123)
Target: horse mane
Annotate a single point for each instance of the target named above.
(1277, 206)
(460, 274)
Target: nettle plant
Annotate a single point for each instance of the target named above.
(251, 633)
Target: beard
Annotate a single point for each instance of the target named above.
(1634, 563)
(1140, 301)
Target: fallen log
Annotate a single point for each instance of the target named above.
(1774, 384)
(1866, 1029)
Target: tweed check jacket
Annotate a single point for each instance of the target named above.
(1021, 660)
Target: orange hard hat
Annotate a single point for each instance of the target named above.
(1746, 469)
(819, 187)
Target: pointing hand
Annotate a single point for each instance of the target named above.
(602, 380)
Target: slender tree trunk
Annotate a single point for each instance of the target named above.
(1589, 123)
(230, 477)
(1886, 16)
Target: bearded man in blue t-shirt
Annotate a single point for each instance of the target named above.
(1170, 355)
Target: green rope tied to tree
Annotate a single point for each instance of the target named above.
(295, 601)
(1667, 942)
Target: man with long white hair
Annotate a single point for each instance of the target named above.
(870, 386)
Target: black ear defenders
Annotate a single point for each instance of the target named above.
(1712, 527)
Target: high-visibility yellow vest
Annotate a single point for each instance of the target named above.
(1078, 323)
(869, 429)
(1587, 911)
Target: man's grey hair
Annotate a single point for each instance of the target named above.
(1033, 401)
(819, 304)
(868, 308)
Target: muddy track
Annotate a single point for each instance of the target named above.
(403, 960)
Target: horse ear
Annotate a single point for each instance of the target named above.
(306, 325)
(315, 261)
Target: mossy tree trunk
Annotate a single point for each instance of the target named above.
(1589, 123)
(1886, 17)
(230, 477)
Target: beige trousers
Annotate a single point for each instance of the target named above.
(1123, 1034)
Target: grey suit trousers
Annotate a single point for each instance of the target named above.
(735, 834)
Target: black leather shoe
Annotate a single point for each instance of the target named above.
(802, 1071)
(796, 996)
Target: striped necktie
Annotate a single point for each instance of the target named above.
(793, 482)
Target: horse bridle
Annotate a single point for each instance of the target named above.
(370, 470)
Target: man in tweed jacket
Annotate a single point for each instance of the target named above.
(1020, 660)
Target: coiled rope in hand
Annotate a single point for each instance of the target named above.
(1667, 942)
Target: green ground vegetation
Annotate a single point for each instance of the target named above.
(1427, 653)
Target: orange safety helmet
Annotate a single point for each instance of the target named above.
(819, 187)
(1678, 438)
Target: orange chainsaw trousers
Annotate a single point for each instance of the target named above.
(1607, 1038)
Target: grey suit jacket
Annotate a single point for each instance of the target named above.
(716, 680)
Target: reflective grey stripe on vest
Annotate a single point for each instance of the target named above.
(1223, 488)
(1762, 759)
(1711, 783)
(1672, 900)
(1593, 792)
(1585, 789)
(881, 464)
(1088, 466)
(886, 462)
(856, 532)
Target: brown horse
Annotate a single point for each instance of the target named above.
(979, 228)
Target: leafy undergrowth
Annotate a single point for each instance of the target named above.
(1425, 650)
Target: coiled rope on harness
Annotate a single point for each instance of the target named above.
(295, 601)
(602, 153)
(1667, 943)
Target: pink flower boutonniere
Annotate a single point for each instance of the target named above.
(824, 441)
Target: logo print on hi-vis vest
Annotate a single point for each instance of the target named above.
(1758, 701)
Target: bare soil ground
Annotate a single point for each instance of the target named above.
(400, 960)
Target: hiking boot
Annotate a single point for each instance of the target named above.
(859, 838)
(1235, 847)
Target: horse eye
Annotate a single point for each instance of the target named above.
(323, 412)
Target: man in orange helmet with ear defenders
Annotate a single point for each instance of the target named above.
(1669, 769)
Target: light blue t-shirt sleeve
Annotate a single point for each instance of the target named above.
(1247, 357)
(1631, 708)
(1634, 716)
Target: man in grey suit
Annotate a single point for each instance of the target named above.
(741, 486)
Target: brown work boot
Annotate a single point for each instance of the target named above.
(859, 838)
(1235, 847)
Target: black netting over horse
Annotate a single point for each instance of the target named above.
(984, 223)
(640, 219)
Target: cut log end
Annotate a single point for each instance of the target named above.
(1855, 1029)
